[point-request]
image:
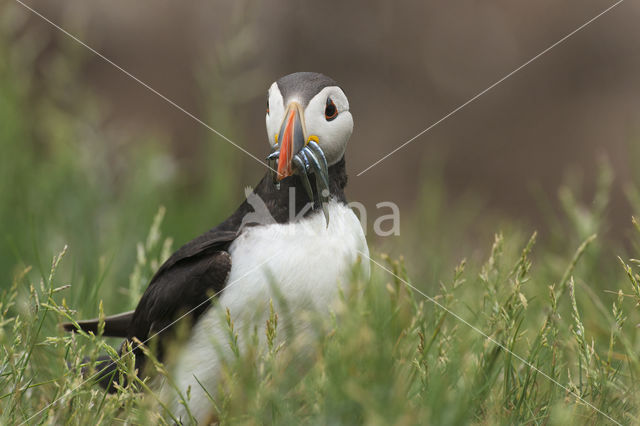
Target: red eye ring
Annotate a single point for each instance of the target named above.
(330, 111)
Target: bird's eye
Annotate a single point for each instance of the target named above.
(267, 106)
(330, 111)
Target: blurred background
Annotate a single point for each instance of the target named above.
(89, 155)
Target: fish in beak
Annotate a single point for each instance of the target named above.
(296, 154)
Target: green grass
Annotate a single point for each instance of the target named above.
(387, 355)
(566, 304)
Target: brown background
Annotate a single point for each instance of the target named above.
(403, 65)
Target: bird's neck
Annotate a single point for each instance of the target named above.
(290, 193)
(280, 201)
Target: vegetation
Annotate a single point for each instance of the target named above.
(487, 348)
(521, 332)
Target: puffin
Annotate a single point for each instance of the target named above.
(294, 242)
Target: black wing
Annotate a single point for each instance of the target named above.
(186, 286)
(184, 283)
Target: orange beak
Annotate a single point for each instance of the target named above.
(291, 139)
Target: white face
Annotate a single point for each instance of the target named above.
(326, 118)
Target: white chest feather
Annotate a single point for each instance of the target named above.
(305, 262)
(306, 259)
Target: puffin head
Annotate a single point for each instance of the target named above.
(308, 126)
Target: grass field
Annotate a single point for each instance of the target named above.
(523, 331)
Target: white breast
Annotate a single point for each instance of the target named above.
(305, 260)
